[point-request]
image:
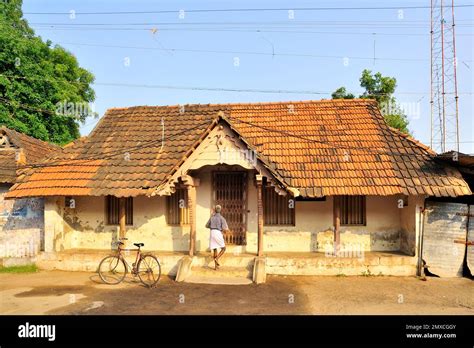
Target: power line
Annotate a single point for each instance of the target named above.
(237, 30)
(333, 145)
(108, 154)
(283, 54)
(273, 54)
(83, 159)
(27, 107)
(215, 89)
(271, 130)
(245, 10)
(111, 154)
(292, 23)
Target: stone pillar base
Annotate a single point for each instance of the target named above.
(259, 274)
(184, 268)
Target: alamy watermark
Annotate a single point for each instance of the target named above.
(18, 249)
(77, 110)
(37, 331)
(234, 156)
(344, 251)
(410, 109)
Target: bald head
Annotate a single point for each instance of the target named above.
(217, 208)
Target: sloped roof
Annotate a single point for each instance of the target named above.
(7, 166)
(327, 147)
(457, 159)
(20, 150)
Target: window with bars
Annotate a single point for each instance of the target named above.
(352, 210)
(112, 210)
(277, 209)
(177, 212)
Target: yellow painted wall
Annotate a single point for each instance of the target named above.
(84, 228)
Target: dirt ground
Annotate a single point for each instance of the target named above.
(56, 292)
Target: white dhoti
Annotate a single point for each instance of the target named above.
(216, 239)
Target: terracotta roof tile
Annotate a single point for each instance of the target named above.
(326, 147)
(21, 150)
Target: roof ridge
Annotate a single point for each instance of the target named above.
(309, 101)
(75, 141)
(26, 137)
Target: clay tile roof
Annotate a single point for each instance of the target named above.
(18, 150)
(321, 148)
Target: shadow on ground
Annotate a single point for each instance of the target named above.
(275, 297)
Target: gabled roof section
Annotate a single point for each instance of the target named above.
(252, 159)
(18, 150)
(123, 156)
(320, 148)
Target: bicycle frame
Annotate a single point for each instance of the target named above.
(151, 268)
(133, 267)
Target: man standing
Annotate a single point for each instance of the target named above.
(217, 224)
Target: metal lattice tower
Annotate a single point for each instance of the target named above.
(444, 92)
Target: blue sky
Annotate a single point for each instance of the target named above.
(337, 46)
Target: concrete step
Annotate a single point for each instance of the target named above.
(196, 279)
(227, 260)
(223, 275)
(222, 271)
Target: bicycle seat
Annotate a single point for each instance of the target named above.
(138, 244)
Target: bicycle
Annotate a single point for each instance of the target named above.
(113, 268)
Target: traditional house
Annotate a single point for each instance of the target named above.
(21, 220)
(309, 187)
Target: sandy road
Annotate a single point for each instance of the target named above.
(56, 292)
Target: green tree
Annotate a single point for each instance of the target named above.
(380, 88)
(341, 93)
(43, 90)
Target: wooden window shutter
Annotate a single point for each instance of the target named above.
(177, 212)
(276, 208)
(129, 211)
(112, 209)
(353, 210)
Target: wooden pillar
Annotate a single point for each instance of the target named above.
(337, 223)
(191, 184)
(259, 181)
(192, 218)
(122, 219)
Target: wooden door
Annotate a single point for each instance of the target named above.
(230, 192)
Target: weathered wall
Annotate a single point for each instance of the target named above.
(410, 224)
(21, 226)
(445, 225)
(83, 227)
(314, 230)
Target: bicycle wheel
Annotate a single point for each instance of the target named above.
(112, 269)
(149, 270)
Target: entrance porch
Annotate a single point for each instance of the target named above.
(236, 268)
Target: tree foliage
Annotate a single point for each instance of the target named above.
(36, 78)
(341, 93)
(380, 88)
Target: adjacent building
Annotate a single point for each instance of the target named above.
(21, 220)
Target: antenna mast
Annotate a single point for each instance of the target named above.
(444, 90)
